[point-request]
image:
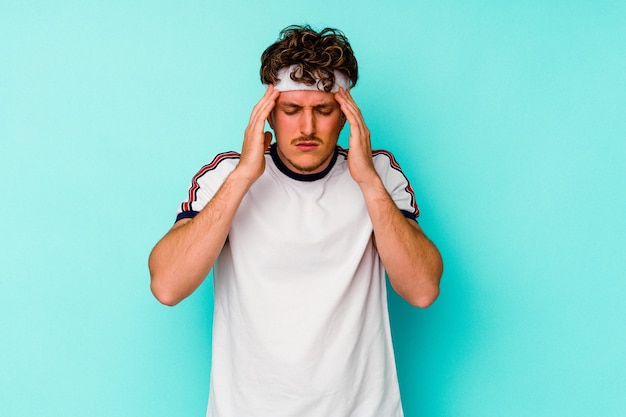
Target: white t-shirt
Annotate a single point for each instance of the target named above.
(301, 326)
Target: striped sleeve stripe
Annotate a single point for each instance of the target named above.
(193, 190)
(408, 188)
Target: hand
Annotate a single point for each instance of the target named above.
(256, 140)
(360, 160)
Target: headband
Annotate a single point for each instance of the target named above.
(285, 83)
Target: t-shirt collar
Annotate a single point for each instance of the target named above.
(297, 176)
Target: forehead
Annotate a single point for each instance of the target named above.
(306, 98)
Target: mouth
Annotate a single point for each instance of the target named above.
(307, 146)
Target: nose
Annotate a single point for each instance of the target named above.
(307, 122)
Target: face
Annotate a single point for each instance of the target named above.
(306, 125)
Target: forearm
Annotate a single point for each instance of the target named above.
(183, 258)
(412, 261)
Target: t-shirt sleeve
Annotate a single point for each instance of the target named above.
(205, 184)
(396, 183)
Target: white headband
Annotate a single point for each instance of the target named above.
(285, 83)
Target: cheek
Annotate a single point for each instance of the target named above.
(281, 122)
(333, 125)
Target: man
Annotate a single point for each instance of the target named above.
(300, 234)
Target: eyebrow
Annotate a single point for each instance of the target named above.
(297, 106)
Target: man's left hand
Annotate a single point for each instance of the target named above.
(360, 160)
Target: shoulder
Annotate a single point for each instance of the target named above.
(382, 156)
(226, 158)
(222, 161)
(396, 182)
(377, 154)
(385, 161)
(206, 182)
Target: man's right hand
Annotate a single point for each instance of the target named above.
(256, 140)
(185, 255)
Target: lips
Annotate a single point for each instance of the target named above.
(306, 145)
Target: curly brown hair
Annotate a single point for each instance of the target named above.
(317, 55)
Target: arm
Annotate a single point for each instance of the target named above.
(182, 259)
(412, 261)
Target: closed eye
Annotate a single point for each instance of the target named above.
(290, 110)
(325, 110)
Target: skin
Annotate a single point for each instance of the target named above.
(307, 126)
(413, 263)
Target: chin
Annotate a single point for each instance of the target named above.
(308, 167)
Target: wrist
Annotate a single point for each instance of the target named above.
(372, 186)
(242, 177)
(371, 179)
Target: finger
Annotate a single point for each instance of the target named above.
(357, 124)
(349, 107)
(358, 129)
(262, 110)
(265, 105)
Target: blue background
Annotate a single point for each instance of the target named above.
(508, 116)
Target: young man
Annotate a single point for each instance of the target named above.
(299, 235)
